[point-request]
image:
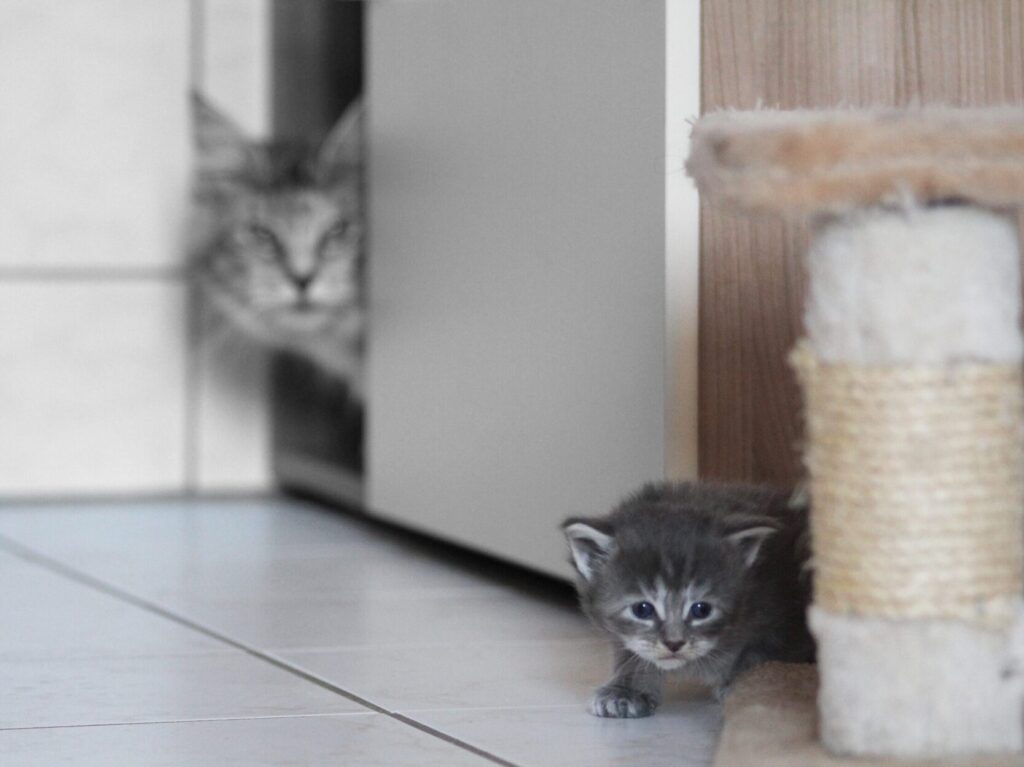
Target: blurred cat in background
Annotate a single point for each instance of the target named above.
(704, 579)
(277, 238)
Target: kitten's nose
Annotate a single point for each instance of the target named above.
(673, 646)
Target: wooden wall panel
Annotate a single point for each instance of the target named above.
(813, 53)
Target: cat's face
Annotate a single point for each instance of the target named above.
(287, 260)
(282, 247)
(668, 584)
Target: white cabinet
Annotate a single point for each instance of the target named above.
(519, 257)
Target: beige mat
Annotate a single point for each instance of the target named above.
(771, 721)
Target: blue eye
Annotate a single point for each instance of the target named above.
(643, 610)
(700, 610)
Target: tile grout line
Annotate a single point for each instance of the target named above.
(97, 274)
(192, 391)
(56, 566)
(145, 722)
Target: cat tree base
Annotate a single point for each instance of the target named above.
(771, 720)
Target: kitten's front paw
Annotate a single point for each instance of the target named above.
(622, 703)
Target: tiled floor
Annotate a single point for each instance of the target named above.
(277, 632)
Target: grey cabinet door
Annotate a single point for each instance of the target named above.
(517, 267)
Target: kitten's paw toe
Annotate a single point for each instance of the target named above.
(622, 703)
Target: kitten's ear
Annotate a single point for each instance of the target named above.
(223, 153)
(748, 534)
(590, 543)
(341, 153)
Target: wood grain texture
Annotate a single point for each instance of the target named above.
(813, 54)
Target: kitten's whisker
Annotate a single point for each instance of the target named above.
(684, 566)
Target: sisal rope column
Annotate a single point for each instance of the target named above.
(914, 406)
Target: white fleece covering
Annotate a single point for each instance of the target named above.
(915, 285)
(904, 287)
(920, 688)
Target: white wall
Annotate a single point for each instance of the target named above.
(101, 389)
(682, 239)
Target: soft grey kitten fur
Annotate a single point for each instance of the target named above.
(277, 238)
(702, 579)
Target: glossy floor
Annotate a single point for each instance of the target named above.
(279, 632)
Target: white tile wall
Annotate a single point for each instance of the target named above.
(92, 386)
(232, 420)
(99, 390)
(93, 135)
(232, 441)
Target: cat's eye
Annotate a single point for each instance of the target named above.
(262, 233)
(700, 610)
(338, 229)
(643, 610)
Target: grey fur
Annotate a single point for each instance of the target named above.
(277, 238)
(741, 549)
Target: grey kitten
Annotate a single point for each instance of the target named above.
(277, 238)
(700, 578)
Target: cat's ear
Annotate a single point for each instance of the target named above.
(590, 543)
(341, 153)
(748, 533)
(223, 154)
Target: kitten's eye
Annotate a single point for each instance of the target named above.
(700, 610)
(643, 610)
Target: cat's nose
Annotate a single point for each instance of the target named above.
(302, 281)
(673, 646)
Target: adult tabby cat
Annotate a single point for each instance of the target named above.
(277, 238)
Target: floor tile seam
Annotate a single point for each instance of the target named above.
(527, 642)
(143, 603)
(455, 741)
(126, 655)
(189, 720)
(581, 706)
(404, 719)
(395, 594)
(84, 578)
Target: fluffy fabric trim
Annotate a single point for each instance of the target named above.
(799, 162)
(918, 688)
(771, 721)
(915, 286)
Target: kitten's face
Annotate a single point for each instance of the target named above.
(286, 260)
(668, 625)
(667, 583)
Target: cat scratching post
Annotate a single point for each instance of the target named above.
(911, 373)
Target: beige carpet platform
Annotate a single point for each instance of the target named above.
(800, 162)
(771, 721)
